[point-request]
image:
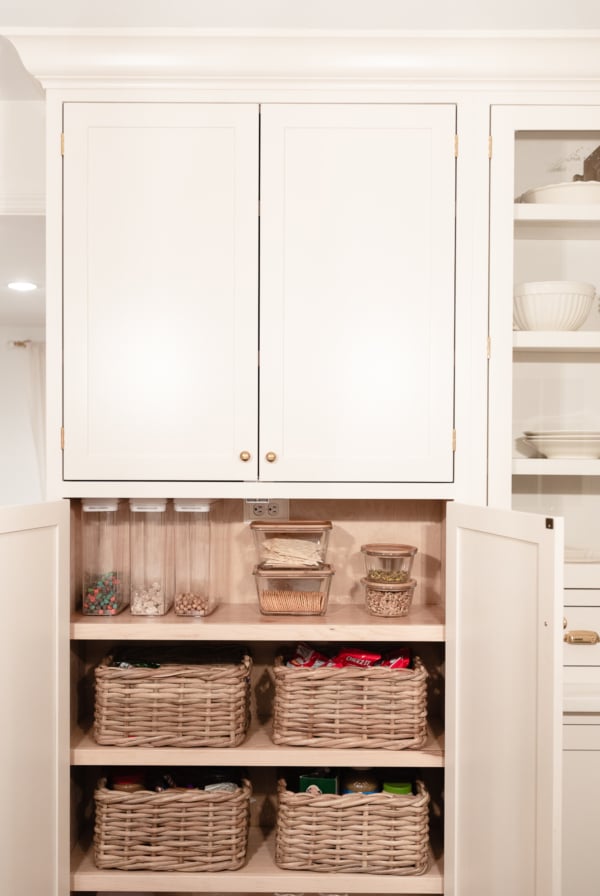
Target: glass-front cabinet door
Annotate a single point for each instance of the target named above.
(545, 325)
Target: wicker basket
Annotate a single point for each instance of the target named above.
(191, 830)
(184, 705)
(350, 707)
(380, 833)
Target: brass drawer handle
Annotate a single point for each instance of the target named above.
(271, 456)
(582, 637)
(245, 455)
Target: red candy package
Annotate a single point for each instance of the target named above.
(362, 658)
(399, 658)
(308, 658)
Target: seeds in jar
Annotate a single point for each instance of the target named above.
(389, 576)
(190, 603)
(388, 603)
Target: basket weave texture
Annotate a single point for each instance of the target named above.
(192, 830)
(350, 707)
(195, 705)
(380, 833)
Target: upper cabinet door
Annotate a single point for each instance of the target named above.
(503, 726)
(357, 292)
(160, 291)
(34, 704)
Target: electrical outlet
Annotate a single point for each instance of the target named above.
(266, 509)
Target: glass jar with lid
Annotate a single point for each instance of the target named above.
(151, 594)
(192, 536)
(105, 557)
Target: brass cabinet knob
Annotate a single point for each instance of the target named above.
(271, 456)
(245, 455)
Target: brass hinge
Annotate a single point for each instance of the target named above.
(62, 144)
(489, 347)
(62, 438)
(454, 440)
(456, 146)
(490, 146)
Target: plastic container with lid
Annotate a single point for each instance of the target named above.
(389, 563)
(398, 787)
(389, 600)
(291, 544)
(191, 528)
(105, 557)
(151, 594)
(294, 592)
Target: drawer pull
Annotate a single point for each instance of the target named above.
(582, 637)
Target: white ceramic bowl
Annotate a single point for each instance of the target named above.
(552, 304)
(585, 191)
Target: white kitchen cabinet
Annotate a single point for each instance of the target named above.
(357, 292)
(501, 717)
(551, 381)
(34, 700)
(161, 292)
(542, 380)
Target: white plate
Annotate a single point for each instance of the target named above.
(567, 448)
(572, 191)
(581, 555)
(562, 433)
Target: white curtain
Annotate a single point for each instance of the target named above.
(36, 401)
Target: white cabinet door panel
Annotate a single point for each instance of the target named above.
(160, 290)
(581, 821)
(34, 703)
(357, 292)
(503, 726)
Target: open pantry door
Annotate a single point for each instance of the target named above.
(504, 614)
(34, 559)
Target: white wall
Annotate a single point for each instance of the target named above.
(20, 481)
(339, 14)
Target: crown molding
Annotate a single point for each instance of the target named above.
(171, 57)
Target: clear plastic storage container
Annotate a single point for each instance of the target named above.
(293, 592)
(388, 563)
(151, 594)
(191, 526)
(105, 558)
(291, 545)
(388, 599)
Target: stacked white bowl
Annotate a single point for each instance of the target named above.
(552, 304)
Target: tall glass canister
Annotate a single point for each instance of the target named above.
(150, 591)
(192, 558)
(105, 557)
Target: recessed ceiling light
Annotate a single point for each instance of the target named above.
(22, 286)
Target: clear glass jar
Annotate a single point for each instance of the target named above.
(191, 525)
(389, 563)
(150, 591)
(105, 556)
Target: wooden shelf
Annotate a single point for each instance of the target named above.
(552, 341)
(260, 875)
(244, 622)
(257, 750)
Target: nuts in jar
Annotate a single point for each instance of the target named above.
(387, 599)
